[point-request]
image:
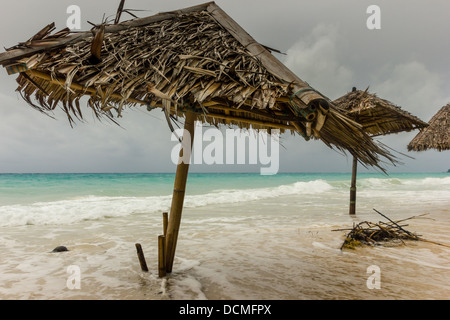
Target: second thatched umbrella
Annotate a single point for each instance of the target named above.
(378, 117)
(436, 135)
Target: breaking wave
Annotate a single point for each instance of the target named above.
(100, 207)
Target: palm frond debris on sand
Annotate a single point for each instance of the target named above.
(381, 233)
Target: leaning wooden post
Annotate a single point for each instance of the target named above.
(352, 209)
(141, 257)
(179, 190)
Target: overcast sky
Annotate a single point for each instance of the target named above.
(327, 44)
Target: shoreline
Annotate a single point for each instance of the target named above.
(110, 269)
(267, 243)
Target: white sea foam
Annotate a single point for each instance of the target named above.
(426, 190)
(99, 207)
(260, 243)
(430, 182)
(385, 183)
(95, 207)
(234, 196)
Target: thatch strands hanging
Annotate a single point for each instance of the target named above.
(436, 135)
(377, 116)
(196, 58)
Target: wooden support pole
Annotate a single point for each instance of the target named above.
(161, 256)
(352, 209)
(179, 191)
(141, 257)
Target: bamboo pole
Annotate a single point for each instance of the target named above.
(178, 193)
(250, 121)
(92, 92)
(161, 256)
(221, 105)
(78, 87)
(352, 209)
(165, 222)
(141, 257)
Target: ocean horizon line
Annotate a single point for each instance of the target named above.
(229, 172)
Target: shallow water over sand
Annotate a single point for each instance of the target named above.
(273, 245)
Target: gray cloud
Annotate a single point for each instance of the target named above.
(418, 89)
(316, 59)
(327, 45)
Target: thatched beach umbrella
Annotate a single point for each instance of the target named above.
(436, 135)
(378, 117)
(195, 63)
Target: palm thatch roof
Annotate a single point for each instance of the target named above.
(196, 58)
(436, 135)
(377, 116)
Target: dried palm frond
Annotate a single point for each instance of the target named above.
(377, 116)
(436, 135)
(196, 58)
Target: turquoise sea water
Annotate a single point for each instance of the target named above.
(71, 197)
(242, 236)
(31, 188)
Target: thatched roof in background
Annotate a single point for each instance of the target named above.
(377, 116)
(197, 58)
(436, 135)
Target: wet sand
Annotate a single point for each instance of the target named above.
(243, 251)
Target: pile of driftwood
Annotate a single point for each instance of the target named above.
(382, 233)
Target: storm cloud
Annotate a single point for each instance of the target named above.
(326, 43)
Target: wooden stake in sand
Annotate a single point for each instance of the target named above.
(141, 257)
(165, 222)
(161, 256)
(162, 247)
